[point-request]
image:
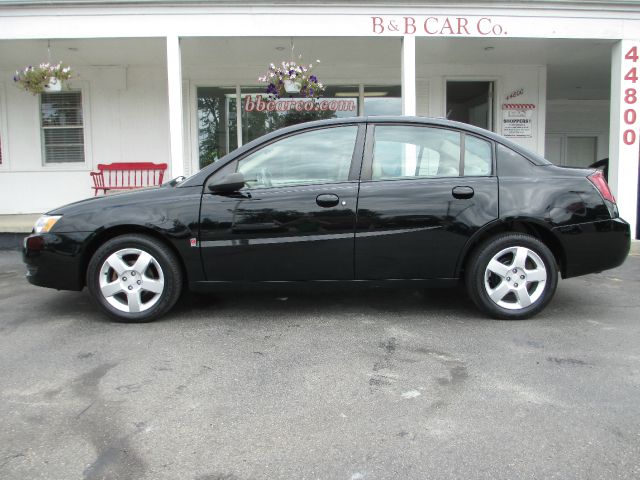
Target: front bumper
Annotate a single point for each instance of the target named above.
(55, 260)
(595, 246)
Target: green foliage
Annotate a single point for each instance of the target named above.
(33, 79)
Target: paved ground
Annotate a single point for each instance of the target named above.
(367, 385)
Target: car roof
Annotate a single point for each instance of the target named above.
(200, 177)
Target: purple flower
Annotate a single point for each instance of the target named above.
(311, 92)
(313, 78)
(271, 89)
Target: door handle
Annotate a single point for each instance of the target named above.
(327, 200)
(462, 192)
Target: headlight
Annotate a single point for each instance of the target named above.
(45, 223)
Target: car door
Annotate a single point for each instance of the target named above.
(424, 191)
(295, 218)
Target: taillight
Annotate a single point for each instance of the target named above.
(597, 178)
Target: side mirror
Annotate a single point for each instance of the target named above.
(228, 184)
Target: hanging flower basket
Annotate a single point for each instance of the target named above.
(289, 78)
(292, 86)
(53, 85)
(42, 78)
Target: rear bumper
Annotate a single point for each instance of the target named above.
(55, 260)
(595, 246)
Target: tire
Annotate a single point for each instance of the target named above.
(511, 276)
(134, 278)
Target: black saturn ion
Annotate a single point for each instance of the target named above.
(360, 201)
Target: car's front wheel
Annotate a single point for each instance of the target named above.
(134, 278)
(512, 276)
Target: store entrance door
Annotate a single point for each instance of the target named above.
(471, 102)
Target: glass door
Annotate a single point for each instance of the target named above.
(470, 102)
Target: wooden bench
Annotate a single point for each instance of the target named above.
(127, 176)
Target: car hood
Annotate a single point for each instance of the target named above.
(152, 208)
(118, 198)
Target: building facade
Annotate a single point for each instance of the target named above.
(177, 82)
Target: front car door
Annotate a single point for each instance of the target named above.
(295, 218)
(425, 190)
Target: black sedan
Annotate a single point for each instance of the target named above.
(360, 201)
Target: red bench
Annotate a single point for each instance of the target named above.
(127, 176)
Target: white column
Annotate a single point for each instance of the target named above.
(624, 129)
(408, 75)
(174, 73)
(238, 115)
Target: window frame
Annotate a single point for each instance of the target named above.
(354, 168)
(83, 88)
(367, 165)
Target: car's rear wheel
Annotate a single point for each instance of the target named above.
(512, 276)
(134, 278)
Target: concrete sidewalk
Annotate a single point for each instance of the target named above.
(13, 228)
(18, 223)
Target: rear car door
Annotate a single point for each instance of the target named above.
(295, 218)
(424, 191)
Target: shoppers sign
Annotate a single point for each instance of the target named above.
(517, 120)
(438, 26)
(260, 104)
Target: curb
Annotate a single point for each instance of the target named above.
(11, 241)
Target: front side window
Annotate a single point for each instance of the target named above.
(62, 127)
(314, 157)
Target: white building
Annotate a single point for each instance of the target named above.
(162, 81)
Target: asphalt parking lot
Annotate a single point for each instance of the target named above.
(321, 385)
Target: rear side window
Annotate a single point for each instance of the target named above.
(477, 156)
(402, 151)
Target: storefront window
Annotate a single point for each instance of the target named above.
(382, 100)
(260, 115)
(217, 115)
(217, 128)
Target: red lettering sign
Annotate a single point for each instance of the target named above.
(258, 104)
(630, 114)
(432, 25)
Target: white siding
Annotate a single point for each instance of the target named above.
(126, 121)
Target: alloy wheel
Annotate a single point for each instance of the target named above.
(131, 280)
(515, 278)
